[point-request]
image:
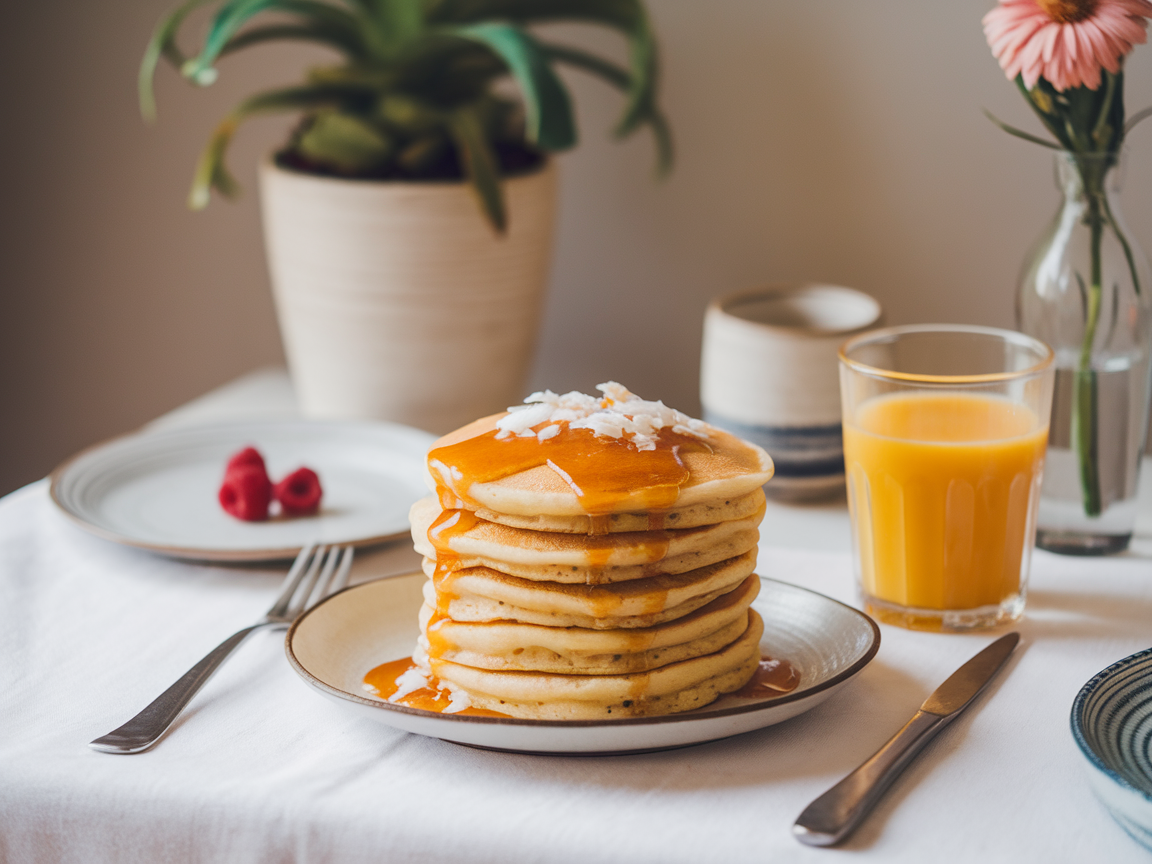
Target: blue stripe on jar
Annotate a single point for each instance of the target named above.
(797, 451)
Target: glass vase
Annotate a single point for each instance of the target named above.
(1086, 291)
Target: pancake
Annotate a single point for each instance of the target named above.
(512, 646)
(707, 513)
(536, 659)
(556, 557)
(677, 687)
(636, 597)
(589, 557)
(727, 468)
(469, 607)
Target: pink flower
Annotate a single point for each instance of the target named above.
(1066, 42)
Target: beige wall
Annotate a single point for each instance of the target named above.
(818, 139)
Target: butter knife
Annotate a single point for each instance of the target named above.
(835, 814)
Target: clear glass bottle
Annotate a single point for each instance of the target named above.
(1086, 290)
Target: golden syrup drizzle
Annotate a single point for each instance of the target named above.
(772, 678)
(600, 523)
(602, 471)
(438, 645)
(638, 687)
(655, 602)
(383, 679)
(656, 519)
(444, 527)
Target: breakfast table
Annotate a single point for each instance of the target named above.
(258, 768)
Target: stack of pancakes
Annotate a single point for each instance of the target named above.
(537, 608)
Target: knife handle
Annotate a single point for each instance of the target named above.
(833, 816)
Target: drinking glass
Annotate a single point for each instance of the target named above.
(945, 428)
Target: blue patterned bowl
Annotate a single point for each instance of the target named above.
(1112, 724)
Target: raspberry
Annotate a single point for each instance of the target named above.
(299, 493)
(246, 492)
(247, 456)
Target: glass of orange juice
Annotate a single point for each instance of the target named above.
(945, 428)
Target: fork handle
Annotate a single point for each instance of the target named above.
(149, 726)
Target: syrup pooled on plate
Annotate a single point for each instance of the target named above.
(773, 677)
(382, 683)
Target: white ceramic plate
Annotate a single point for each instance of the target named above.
(157, 490)
(337, 642)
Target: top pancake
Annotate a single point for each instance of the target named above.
(726, 468)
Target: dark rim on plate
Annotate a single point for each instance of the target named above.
(794, 696)
(1080, 704)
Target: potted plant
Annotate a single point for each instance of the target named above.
(408, 219)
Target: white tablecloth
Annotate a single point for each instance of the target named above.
(262, 769)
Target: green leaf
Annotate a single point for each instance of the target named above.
(1048, 114)
(620, 78)
(210, 169)
(1019, 133)
(479, 163)
(334, 37)
(446, 70)
(162, 44)
(234, 14)
(345, 143)
(369, 80)
(421, 154)
(409, 116)
(400, 22)
(627, 16)
(549, 110)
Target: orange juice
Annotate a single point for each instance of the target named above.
(943, 489)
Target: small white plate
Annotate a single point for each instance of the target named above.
(337, 642)
(157, 490)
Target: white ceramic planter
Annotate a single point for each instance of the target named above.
(398, 301)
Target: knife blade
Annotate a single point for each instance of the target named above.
(835, 814)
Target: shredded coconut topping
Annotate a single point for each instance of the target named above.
(420, 677)
(411, 681)
(618, 414)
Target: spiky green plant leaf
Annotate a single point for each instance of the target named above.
(400, 22)
(480, 163)
(416, 88)
(627, 16)
(549, 110)
(344, 143)
(333, 37)
(211, 171)
(234, 14)
(162, 44)
(409, 114)
(620, 78)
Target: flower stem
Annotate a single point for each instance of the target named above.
(1084, 415)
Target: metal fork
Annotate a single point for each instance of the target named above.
(317, 572)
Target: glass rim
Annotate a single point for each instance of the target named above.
(1011, 336)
